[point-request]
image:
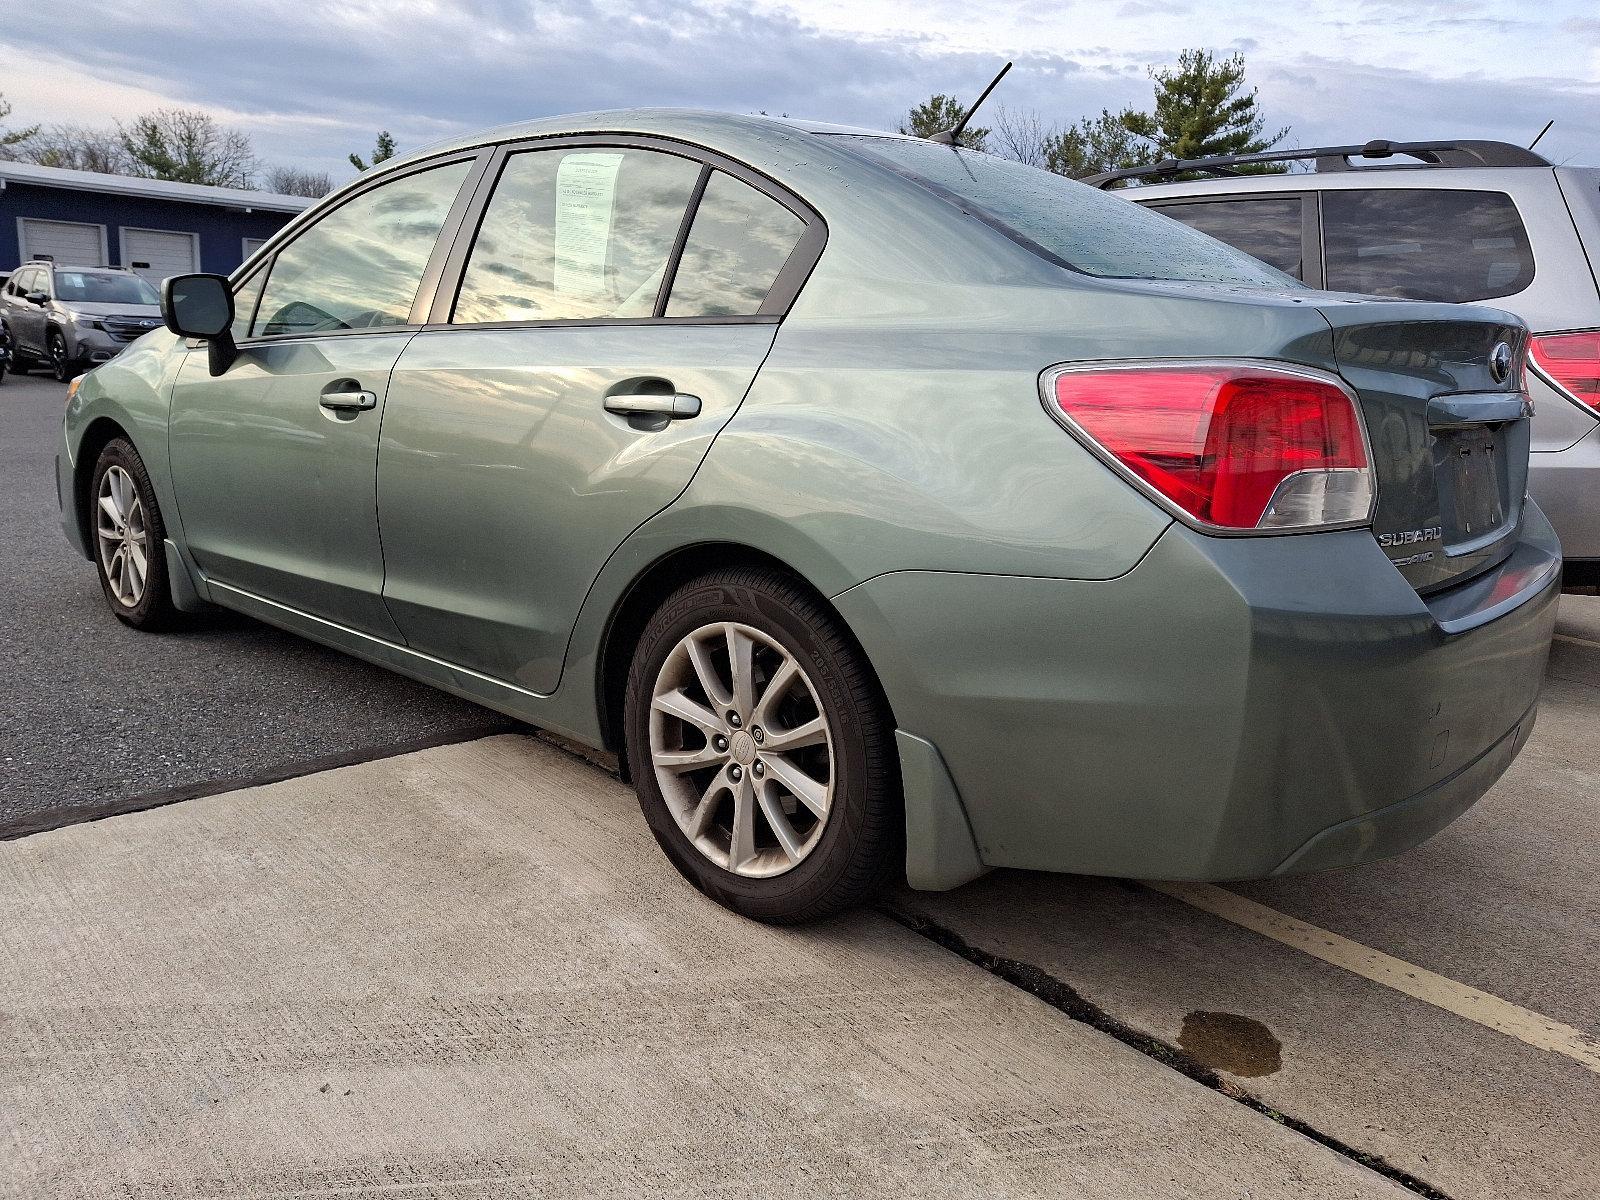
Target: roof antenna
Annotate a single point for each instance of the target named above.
(1542, 132)
(951, 137)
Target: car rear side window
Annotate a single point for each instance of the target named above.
(1268, 228)
(1425, 244)
(1066, 222)
(360, 266)
(738, 243)
(579, 234)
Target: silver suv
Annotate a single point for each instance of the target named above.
(69, 318)
(1456, 221)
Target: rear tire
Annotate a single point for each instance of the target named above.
(812, 764)
(127, 536)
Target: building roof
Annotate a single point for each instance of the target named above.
(153, 189)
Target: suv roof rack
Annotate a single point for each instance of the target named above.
(1338, 158)
(45, 260)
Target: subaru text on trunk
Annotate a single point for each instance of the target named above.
(890, 509)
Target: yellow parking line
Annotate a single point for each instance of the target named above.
(1489, 1011)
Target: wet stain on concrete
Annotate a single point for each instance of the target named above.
(1228, 1042)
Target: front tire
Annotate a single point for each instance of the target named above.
(62, 367)
(762, 749)
(129, 535)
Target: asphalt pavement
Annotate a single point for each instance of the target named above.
(95, 715)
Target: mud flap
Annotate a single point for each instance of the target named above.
(941, 852)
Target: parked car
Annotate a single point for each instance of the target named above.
(888, 508)
(1457, 221)
(5, 353)
(68, 317)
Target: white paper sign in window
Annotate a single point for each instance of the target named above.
(586, 194)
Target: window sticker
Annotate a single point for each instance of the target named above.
(586, 193)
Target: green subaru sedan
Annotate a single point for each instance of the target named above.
(891, 510)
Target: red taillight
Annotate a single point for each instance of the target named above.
(1573, 361)
(1240, 447)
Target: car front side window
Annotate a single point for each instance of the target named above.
(576, 234)
(244, 304)
(361, 265)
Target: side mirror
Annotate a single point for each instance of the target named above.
(36, 298)
(201, 306)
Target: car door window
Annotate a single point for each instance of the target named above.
(1268, 228)
(1424, 244)
(738, 243)
(360, 266)
(578, 234)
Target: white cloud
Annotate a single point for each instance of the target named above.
(311, 82)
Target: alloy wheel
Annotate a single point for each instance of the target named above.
(58, 357)
(741, 749)
(124, 541)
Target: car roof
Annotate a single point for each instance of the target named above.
(707, 127)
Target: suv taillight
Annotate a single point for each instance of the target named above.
(1573, 361)
(1233, 446)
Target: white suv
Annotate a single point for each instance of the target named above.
(1458, 221)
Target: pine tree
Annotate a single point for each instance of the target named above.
(382, 152)
(12, 137)
(938, 113)
(1202, 110)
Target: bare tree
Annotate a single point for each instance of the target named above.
(293, 181)
(1020, 133)
(78, 148)
(188, 146)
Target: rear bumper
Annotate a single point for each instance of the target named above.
(1398, 827)
(1566, 484)
(1231, 708)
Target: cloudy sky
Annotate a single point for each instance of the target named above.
(311, 80)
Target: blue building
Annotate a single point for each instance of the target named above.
(155, 227)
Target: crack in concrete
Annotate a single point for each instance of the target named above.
(1065, 999)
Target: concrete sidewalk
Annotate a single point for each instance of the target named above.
(469, 972)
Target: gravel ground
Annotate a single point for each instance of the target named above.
(93, 713)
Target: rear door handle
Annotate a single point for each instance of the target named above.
(346, 396)
(674, 406)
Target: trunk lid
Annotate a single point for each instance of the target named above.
(1449, 439)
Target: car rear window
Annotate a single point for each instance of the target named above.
(1066, 222)
(1425, 244)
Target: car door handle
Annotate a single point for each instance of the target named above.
(674, 406)
(342, 397)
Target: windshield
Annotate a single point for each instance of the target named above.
(1066, 222)
(104, 287)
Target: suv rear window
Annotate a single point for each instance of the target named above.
(1066, 222)
(1424, 244)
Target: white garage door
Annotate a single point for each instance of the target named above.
(155, 254)
(65, 242)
